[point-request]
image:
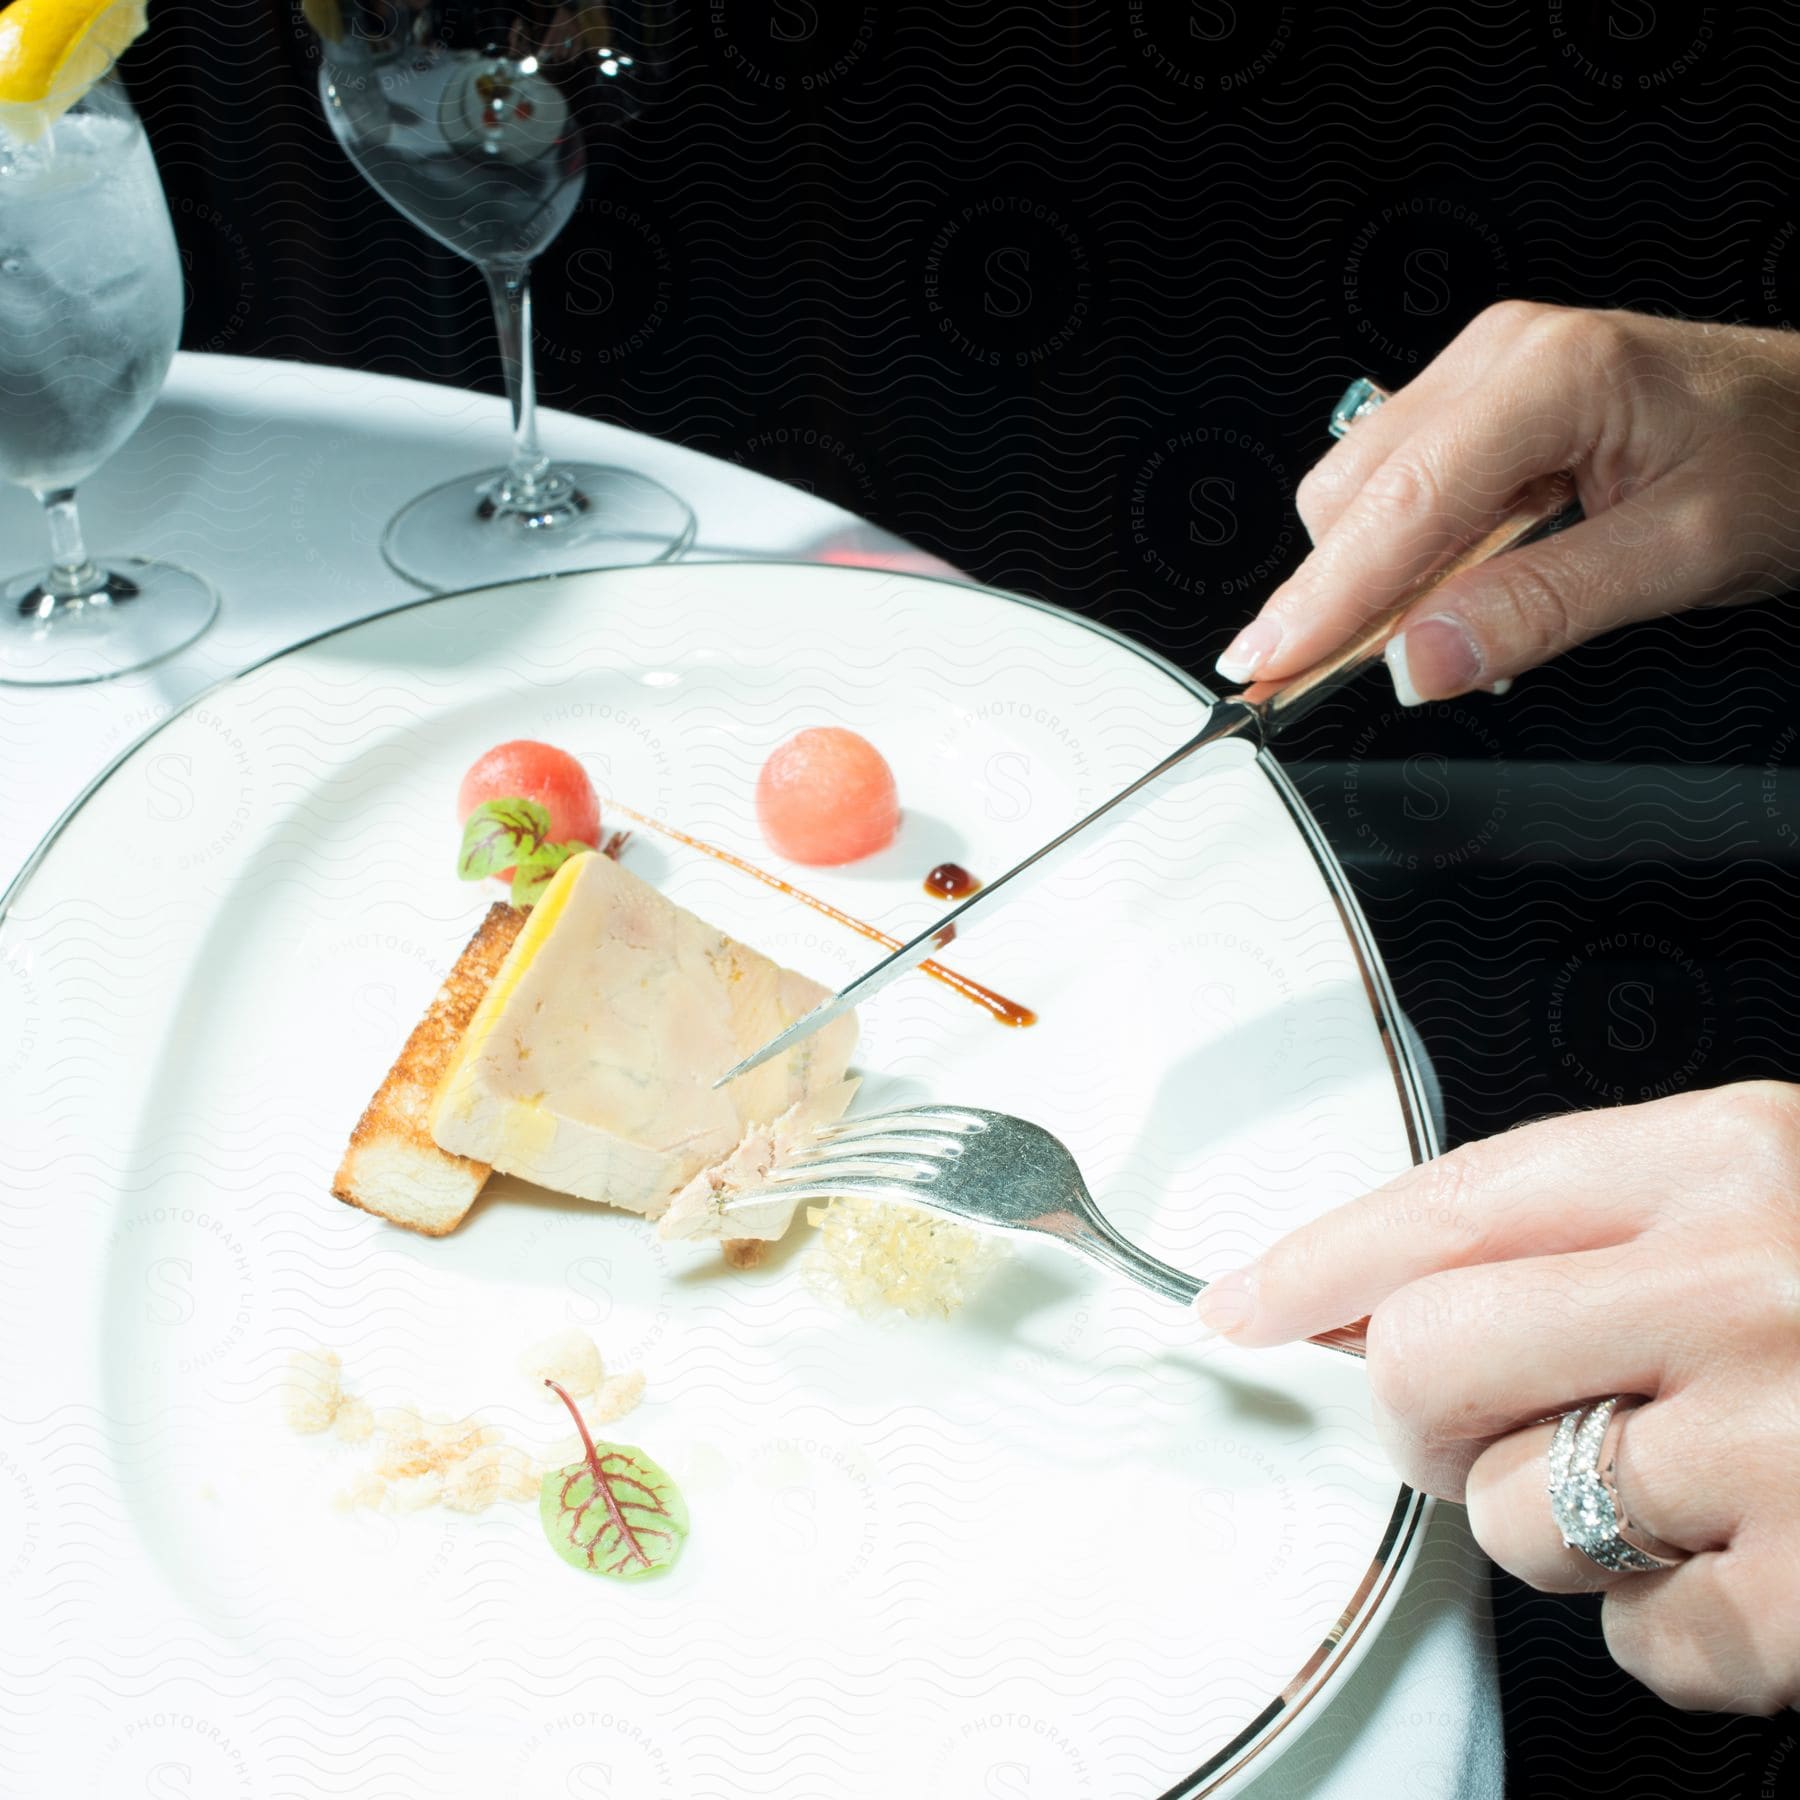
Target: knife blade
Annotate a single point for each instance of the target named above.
(1256, 715)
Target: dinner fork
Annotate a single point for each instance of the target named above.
(986, 1167)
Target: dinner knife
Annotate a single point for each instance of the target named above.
(1255, 715)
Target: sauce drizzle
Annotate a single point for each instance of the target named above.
(1007, 1012)
(951, 881)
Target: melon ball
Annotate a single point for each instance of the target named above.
(827, 796)
(540, 772)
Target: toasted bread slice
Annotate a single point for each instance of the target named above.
(392, 1167)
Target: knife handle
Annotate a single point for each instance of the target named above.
(1544, 505)
(1351, 1340)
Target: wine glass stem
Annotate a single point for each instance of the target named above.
(509, 287)
(72, 572)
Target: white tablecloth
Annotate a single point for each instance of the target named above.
(275, 480)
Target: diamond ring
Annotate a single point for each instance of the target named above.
(1360, 399)
(1584, 1498)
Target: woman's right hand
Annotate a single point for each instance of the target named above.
(1684, 440)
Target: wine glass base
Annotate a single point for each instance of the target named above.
(144, 612)
(466, 533)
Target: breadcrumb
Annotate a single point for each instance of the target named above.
(431, 1446)
(310, 1395)
(418, 1460)
(355, 1421)
(616, 1398)
(415, 1493)
(494, 1472)
(568, 1357)
(745, 1253)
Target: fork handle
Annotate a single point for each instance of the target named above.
(1098, 1240)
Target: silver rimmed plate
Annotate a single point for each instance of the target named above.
(1053, 1541)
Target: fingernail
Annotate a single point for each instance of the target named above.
(1432, 660)
(1249, 650)
(1226, 1305)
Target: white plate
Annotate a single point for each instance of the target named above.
(1054, 1546)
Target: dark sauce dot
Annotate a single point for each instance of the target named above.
(951, 881)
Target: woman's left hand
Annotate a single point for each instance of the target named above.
(1650, 1250)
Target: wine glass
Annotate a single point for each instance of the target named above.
(476, 122)
(90, 313)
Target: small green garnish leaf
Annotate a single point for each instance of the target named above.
(499, 835)
(613, 1513)
(532, 873)
(513, 833)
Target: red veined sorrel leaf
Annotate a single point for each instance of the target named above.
(498, 833)
(613, 1513)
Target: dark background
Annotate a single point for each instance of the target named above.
(1064, 292)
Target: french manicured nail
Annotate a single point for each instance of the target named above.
(1432, 660)
(1226, 1305)
(1249, 650)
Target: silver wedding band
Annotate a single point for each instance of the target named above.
(1584, 1494)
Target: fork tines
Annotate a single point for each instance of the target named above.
(956, 1119)
(909, 1144)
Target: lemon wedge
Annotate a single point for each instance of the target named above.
(53, 51)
